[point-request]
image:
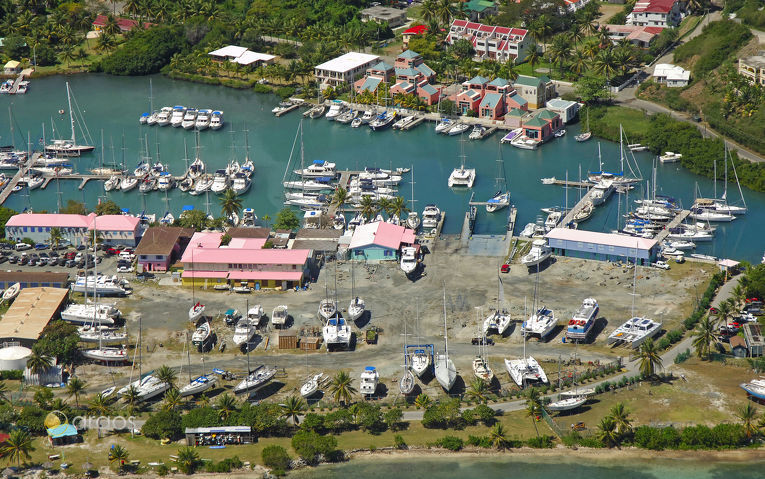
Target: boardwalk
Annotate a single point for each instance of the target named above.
(576, 209)
(83, 179)
(672, 224)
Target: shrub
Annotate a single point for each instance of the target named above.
(485, 414)
(163, 424)
(145, 52)
(541, 442)
(398, 442)
(442, 415)
(479, 441)
(275, 457)
(451, 443)
(285, 91)
(309, 444)
(162, 470)
(260, 88)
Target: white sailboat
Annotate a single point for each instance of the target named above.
(462, 177)
(69, 147)
(446, 372)
(420, 358)
(481, 368)
(312, 385)
(357, 307)
(199, 384)
(256, 379)
(498, 320)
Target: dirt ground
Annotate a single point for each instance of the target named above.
(470, 286)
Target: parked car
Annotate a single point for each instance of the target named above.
(505, 268)
(80, 247)
(13, 259)
(41, 246)
(127, 256)
(78, 257)
(6, 246)
(661, 265)
(70, 263)
(125, 269)
(70, 255)
(3, 259)
(22, 246)
(62, 261)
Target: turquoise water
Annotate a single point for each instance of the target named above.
(115, 103)
(547, 467)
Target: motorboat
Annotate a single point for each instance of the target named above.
(541, 323)
(176, 117)
(431, 215)
(144, 118)
(198, 385)
(498, 320)
(186, 184)
(216, 121)
(634, 332)
(338, 221)
(256, 379)
(249, 218)
(369, 380)
(538, 254)
(317, 169)
(335, 110)
(327, 308)
(311, 385)
(482, 370)
(525, 370)
(203, 119)
(679, 245)
(357, 122)
(102, 285)
(196, 312)
(336, 332)
(512, 135)
(101, 334)
(165, 182)
(601, 191)
(107, 354)
(347, 117)
(580, 325)
(403, 122)
(241, 183)
(281, 107)
(189, 119)
(552, 220)
(244, 331)
(408, 259)
(163, 117)
(202, 184)
(383, 121)
(98, 313)
(670, 157)
(368, 116)
(566, 404)
(477, 132)
(112, 183)
(420, 362)
(560, 133)
(220, 182)
(458, 129)
(356, 308)
(462, 177)
(321, 183)
(128, 183)
(279, 315)
(582, 137)
(500, 200)
(444, 125)
(413, 221)
(202, 334)
(524, 143)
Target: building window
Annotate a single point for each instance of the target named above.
(358, 252)
(388, 252)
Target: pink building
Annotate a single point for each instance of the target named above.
(75, 229)
(160, 246)
(543, 126)
(414, 77)
(501, 44)
(376, 74)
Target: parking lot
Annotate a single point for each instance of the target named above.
(111, 260)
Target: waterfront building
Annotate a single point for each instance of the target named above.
(124, 24)
(322, 241)
(34, 279)
(640, 36)
(76, 229)
(219, 436)
(379, 73)
(753, 67)
(657, 13)
(535, 90)
(501, 44)
(755, 341)
(566, 109)
(242, 56)
(489, 99)
(671, 75)
(412, 32)
(21, 327)
(207, 262)
(344, 69)
(379, 241)
(542, 126)
(160, 246)
(394, 17)
(602, 246)
(12, 67)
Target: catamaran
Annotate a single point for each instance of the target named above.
(636, 329)
(98, 313)
(462, 177)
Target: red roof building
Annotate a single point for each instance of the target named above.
(412, 32)
(639, 36)
(124, 24)
(501, 44)
(657, 13)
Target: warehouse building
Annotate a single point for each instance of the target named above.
(602, 246)
(30, 312)
(33, 279)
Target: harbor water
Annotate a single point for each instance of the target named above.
(114, 104)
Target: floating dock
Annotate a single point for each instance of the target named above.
(672, 224)
(292, 107)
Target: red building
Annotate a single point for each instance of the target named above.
(412, 32)
(124, 24)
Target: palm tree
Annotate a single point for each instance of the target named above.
(498, 436)
(167, 375)
(478, 390)
(38, 363)
(445, 11)
(119, 455)
(105, 42)
(18, 445)
(576, 34)
(540, 29)
(292, 408)
(649, 357)
(559, 52)
(605, 64)
(621, 417)
(367, 207)
(383, 206)
(75, 387)
(341, 388)
(187, 459)
(226, 405)
(533, 57)
(704, 337)
(230, 203)
(725, 311)
(422, 401)
(172, 400)
(340, 197)
(607, 432)
(67, 53)
(3, 392)
(398, 207)
(747, 416)
(429, 8)
(578, 62)
(99, 405)
(55, 237)
(131, 396)
(203, 400)
(533, 407)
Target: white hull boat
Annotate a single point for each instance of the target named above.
(526, 370)
(196, 312)
(369, 380)
(420, 362)
(634, 332)
(198, 385)
(101, 314)
(279, 315)
(256, 379)
(538, 254)
(356, 308)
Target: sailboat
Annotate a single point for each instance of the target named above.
(445, 371)
(198, 309)
(481, 367)
(542, 322)
(617, 179)
(406, 383)
(499, 319)
(718, 209)
(462, 176)
(312, 385)
(571, 399)
(420, 359)
(68, 147)
(501, 198)
(587, 134)
(199, 384)
(357, 307)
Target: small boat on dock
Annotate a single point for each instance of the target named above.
(458, 129)
(216, 121)
(383, 121)
(477, 132)
(444, 125)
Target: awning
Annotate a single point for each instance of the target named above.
(266, 275)
(205, 274)
(62, 430)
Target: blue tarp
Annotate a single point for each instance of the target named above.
(62, 430)
(188, 207)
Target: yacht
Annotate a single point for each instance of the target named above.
(431, 215)
(497, 202)
(203, 184)
(163, 117)
(498, 320)
(103, 285)
(335, 110)
(408, 259)
(249, 218)
(196, 168)
(347, 117)
(198, 385)
(101, 314)
(458, 129)
(541, 323)
(721, 206)
(327, 308)
(241, 183)
(444, 125)
(312, 385)
(196, 312)
(148, 184)
(601, 191)
(477, 132)
(220, 182)
(580, 325)
(420, 362)
(102, 334)
(413, 221)
(462, 177)
(203, 119)
(245, 330)
(128, 183)
(202, 334)
(338, 222)
(107, 354)
(165, 182)
(336, 332)
(368, 116)
(176, 118)
(112, 183)
(670, 157)
(383, 121)
(445, 371)
(319, 168)
(634, 332)
(552, 220)
(709, 214)
(256, 379)
(279, 316)
(755, 388)
(189, 119)
(482, 370)
(526, 370)
(696, 233)
(321, 183)
(357, 220)
(369, 380)
(356, 308)
(216, 121)
(538, 254)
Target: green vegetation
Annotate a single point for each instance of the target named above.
(717, 41)
(59, 340)
(163, 424)
(286, 219)
(276, 457)
(5, 215)
(145, 52)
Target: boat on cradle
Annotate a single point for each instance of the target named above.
(383, 121)
(670, 157)
(408, 259)
(216, 121)
(356, 308)
(196, 312)
(369, 380)
(163, 117)
(566, 404)
(101, 334)
(634, 332)
(482, 370)
(102, 314)
(585, 212)
(458, 129)
(413, 221)
(445, 371)
(336, 109)
(256, 379)
(755, 388)
(189, 119)
(601, 191)
(538, 254)
(69, 147)
(176, 118)
(242, 288)
(431, 215)
(444, 125)
(420, 362)
(525, 370)
(312, 385)
(279, 315)
(107, 354)
(220, 182)
(406, 382)
(318, 169)
(499, 319)
(541, 323)
(336, 332)
(580, 325)
(245, 330)
(327, 308)
(103, 285)
(151, 387)
(560, 133)
(202, 121)
(477, 132)
(202, 334)
(198, 385)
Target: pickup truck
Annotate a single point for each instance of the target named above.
(477, 340)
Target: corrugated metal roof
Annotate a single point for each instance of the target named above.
(607, 239)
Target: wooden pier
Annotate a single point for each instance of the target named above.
(511, 220)
(571, 184)
(16, 83)
(576, 209)
(672, 224)
(413, 123)
(487, 133)
(292, 107)
(83, 179)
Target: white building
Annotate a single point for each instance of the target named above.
(657, 13)
(567, 110)
(671, 75)
(489, 42)
(241, 56)
(344, 69)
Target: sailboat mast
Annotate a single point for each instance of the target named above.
(446, 336)
(725, 186)
(71, 115)
(188, 354)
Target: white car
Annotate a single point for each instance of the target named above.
(22, 246)
(661, 265)
(125, 269)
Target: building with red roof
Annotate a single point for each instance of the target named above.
(501, 44)
(657, 13)
(412, 32)
(124, 24)
(639, 36)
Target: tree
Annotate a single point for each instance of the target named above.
(620, 415)
(309, 444)
(533, 407)
(341, 388)
(747, 415)
(478, 390)
(592, 88)
(17, 446)
(75, 387)
(607, 432)
(188, 460)
(292, 408)
(196, 219)
(398, 207)
(3, 392)
(368, 207)
(162, 425)
(5, 215)
(276, 458)
(392, 418)
(38, 363)
(422, 401)
(230, 202)
(55, 237)
(462, 49)
(131, 396)
(340, 197)
(119, 455)
(704, 337)
(605, 64)
(226, 405)
(498, 436)
(167, 375)
(650, 360)
(172, 400)
(286, 219)
(533, 57)
(74, 208)
(107, 207)
(67, 54)
(59, 340)
(100, 405)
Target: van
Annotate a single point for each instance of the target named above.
(22, 246)
(126, 256)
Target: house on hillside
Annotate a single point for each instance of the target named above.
(478, 9)
(412, 32)
(753, 68)
(671, 75)
(657, 13)
(124, 24)
(637, 35)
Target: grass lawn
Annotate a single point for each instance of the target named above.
(689, 24)
(605, 122)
